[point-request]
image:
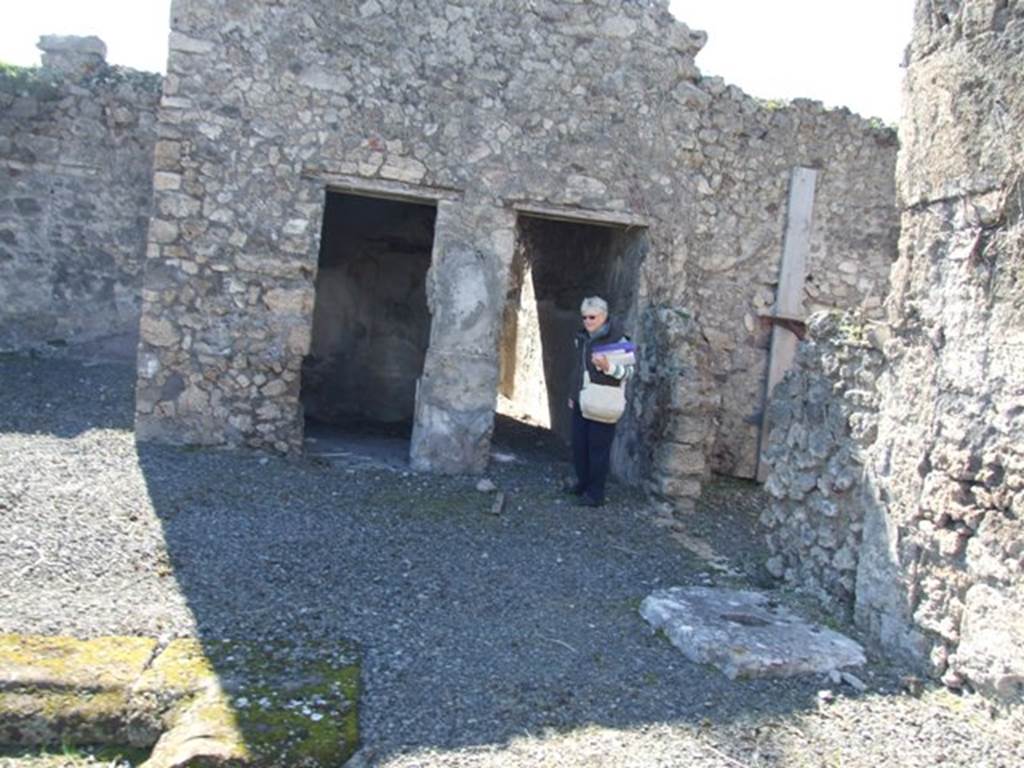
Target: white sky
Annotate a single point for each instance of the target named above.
(834, 51)
(845, 54)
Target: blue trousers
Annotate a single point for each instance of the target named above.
(591, 453)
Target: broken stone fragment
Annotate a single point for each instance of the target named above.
(158, 332)
(499, 503)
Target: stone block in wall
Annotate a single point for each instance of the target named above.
(991, 648)
(72, 55)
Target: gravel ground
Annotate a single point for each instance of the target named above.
(509, 640)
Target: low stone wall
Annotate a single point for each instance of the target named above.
(824, 417)
(76, 141)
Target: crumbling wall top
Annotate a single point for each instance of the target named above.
(72, 54)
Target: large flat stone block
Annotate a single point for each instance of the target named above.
(746, 634)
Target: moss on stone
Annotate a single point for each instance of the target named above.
(300, 708)
(51, 717)
(258, 704)
(69, 663)
(180, 669)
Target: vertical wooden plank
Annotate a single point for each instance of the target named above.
(796, 250)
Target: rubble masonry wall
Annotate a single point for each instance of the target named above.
(260, 116)
(940, 571)
(76, 140)
(596, 107)
(747, 149)
(824, 417)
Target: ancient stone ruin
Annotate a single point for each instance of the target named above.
(897, 462)
(387, 212)
(390, 213)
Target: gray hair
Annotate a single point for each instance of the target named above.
(595, 304)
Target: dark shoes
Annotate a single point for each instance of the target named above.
(582, 499)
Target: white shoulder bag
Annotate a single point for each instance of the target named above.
(601, 402)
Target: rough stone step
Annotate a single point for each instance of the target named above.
(194, 702)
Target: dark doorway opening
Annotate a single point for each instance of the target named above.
(371, 325)
(557, 263)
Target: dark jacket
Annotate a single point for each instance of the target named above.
(609, 333)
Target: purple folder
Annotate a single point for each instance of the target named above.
(619, 353)
(619, 346)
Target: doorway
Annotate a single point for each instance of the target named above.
(556, 264)
(371, 323)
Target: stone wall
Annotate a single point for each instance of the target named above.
(585, 115)
(746, 150)
(267, 106)
(940, 572)
(824, 417)
(591, 113)
(76, 141)
(942, 578)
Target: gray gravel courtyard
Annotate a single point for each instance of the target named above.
(510, 640)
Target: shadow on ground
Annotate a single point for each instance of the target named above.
(474, 629)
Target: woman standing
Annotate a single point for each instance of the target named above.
(592, 440)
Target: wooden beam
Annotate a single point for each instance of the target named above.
(789, 297)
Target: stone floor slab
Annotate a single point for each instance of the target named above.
(746, 634)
